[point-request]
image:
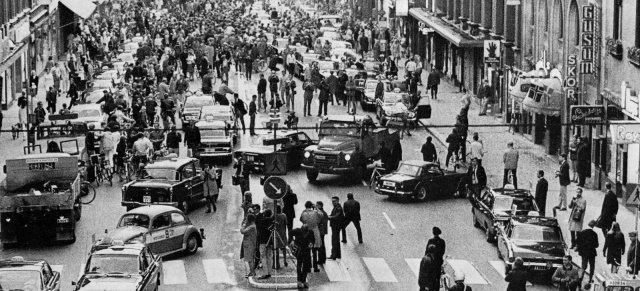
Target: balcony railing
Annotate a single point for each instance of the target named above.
(633, 54)
(614, 47)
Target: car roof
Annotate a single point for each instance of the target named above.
(419, 163)
(535, 220)
(126, 249)
(25, 265)
(519, 193)
(86, 106)
(211, 124)
(199, 97)
(152, 210)
(174, 163)
(347, 118)
(43, 156)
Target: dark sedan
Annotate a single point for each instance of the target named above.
(537, 240)
(292, 142)
(494, 207)
(421, 180)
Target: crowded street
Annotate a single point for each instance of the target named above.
(144, 136)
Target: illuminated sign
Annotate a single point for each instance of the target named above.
(587, 37)
(571, 82)
(625, 133)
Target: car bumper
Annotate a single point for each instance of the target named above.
(388, 192)
(138, 204)
(538, 266)
(399, 119)
(213, 154)
(329, 169)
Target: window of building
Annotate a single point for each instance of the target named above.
(637, 24)
(574, 24)
(617, 19)
(559, 19)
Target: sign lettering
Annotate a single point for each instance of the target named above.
(586, 114)
(571, 82)
(587, 38)
(625, 133)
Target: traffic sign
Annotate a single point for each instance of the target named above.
(275, 188)
(275, 164)
(634, 198)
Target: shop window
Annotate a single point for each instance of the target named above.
(617, 19)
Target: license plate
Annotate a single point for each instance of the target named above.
(320, 157)
(249, 158)
(390, 184)
(63, 220)
(146, 199)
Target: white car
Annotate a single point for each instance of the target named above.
(335, 20)
(87, 114)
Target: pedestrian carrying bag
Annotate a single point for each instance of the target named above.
(295, 249)
(577, 214)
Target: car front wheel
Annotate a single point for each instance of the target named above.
(489, 234)
(312, 176)
(421, 194)
(184, 206)
(192, 245)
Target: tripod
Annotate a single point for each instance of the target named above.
(274, 240)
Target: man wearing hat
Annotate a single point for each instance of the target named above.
(429, 273)
(438, 242)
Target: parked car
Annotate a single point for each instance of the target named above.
(292, 142)
(422, 180)
(493, 207)
(303, 63)
(216, 140)
(325, 68)
(368, 100)
(177, 182)
(121, 266)
(537, 240)
(164, 229)
(193, 106)
(20, 274)
(393, 107)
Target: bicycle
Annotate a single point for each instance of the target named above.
(87, 191)
(377, 173)
(102, 169)
(260, 65)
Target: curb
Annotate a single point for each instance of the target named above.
(259, 285)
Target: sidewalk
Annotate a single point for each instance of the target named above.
(532, 159)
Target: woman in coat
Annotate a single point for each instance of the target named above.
(211, 189)
(312, 218)
(249, 239)
(614, 246)
(578, 207)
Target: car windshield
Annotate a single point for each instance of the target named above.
(409, 170)
(371, 85)
(211, 133)
(325, 66)
(160, 174)
(87, 113)
(503, 203)
(113, 264)
(134, 220)
(340, 128)
(198, 102)
(392, 98)
(371, 66)
(536, 233)
(341, 44)
(331, 34)
(20, 280)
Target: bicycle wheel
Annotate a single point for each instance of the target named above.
(87, 193)
(109, 176)
(99, 179)
(262, 66)
(130, 172)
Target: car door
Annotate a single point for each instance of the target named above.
(160, 233)
(150, 270)
(503, 241)
(197, 186)
(187, 172)
(179, 225)
(485, 205)
(50, 278)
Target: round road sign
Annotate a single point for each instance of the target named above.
(275, 188)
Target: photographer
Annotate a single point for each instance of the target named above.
(568, 276)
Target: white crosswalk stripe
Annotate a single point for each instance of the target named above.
(379, 270)
(57, 268)
(173, 272)
(217, 272)
(414, 265)
(472, 276)
(337, 271)
(501, 268)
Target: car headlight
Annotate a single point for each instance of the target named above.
(307, 155)
(347, 157)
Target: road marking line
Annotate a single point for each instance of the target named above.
(81, 272)
(501, 268)
(216, 271)
(414, 265)
(379, 270)
(337, 271)
(388, 220)
(174, 272)
(472, 276)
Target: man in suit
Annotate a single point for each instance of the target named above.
(609, 210)
(242, 172)
(587, 245)
(476, 178)
(289, 201)
(336, 220)
(351, 214)
(323, 227)
(632, 254)
(253, 110)
(565, 180)
(541, 192)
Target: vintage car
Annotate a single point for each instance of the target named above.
(325, 68)
(392, 107)
(622, 281)
(20, 274)
(299, 48)
(494, 206)
(219, 112)
(303, 63)
(97, 87)
(368, 100)
(537, 240)
(217, 140)
(343, 52)
(422, 180)
(177, 182)
(39, 199)
(121, 266)
(291, 142)
(373, 69)
(331, 33)
(193, 106)
(335, 20)
(280, 44)
(87, 114)
(164, 229)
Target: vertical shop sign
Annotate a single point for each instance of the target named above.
(572, 77)
(587, 40)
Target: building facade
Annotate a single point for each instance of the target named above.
(14, 44)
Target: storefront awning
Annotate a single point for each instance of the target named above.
(83, 8)
(544, 97)
(10, 59)
(455, 35)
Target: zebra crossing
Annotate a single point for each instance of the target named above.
(218, 271)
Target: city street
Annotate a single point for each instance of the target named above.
(394, 231)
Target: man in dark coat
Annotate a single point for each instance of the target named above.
(587, 245)
(323, 227)
(332, 81)
(336, 221)
(351, 214)
(192, 137)
(342, 83)
(429, 153)
(323, 97)
(633, 255)
(584, 159)
(433, 80)
(476, 178)
(542, 187)
(289, 201)
(609, 210)
(564, 178)
(379, 93)
(438, 242)
(517, 277)
(429, 274)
